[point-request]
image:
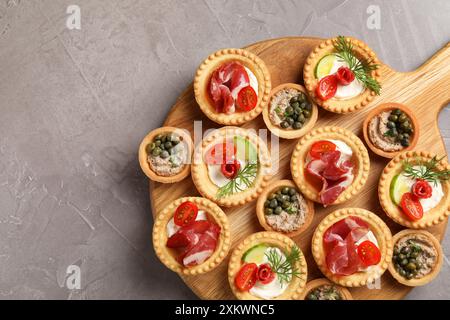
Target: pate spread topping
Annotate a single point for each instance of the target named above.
(167, 154)
(290, 109)
(414, 256)
(324, 292)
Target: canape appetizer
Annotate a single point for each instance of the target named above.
(165, 154)
(290, 113)
(232, 86)
(231, 166)
(191, 235)
(330, 165)
(414, 189)
(341, 74)
(324, 289)
(267, 265)
(282, 208)
(417, 257)
(390, 129)
(352, 247)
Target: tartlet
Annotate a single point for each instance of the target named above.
(414, 282)
(200, 174)
(430, 218)
(380, 231)
(360, 154)
(203, 76)
(143, 155)
(289, 133)
(385, 107)
(311, 285)
(362, 52)
(160, 237)
(262, 216)
(296, 285)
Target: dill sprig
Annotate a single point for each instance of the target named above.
(284, 268)
(361, 69)
(426, 170)
(244, 176)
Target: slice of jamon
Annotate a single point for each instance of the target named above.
(341, 229)
(204, 248)
(188, 235)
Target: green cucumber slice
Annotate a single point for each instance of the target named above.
(245, 150)
(324, 66)
(255, 254)
(399, 186)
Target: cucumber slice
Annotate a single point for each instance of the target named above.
(399, 186)
(323, 67)
(255, 254)
(245, 150)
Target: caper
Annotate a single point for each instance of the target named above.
(306, 113)
(284, 124)
(285, 204)
(412, 260)
(297, 125)
(157, 143)
(285, 190)
(289, 111)
(308, 106)
(404, 262)
(280, 198)
(400, 136)
(396, 112)
(278, 210)
(292, 192)
(164, 154)
(301, 97)
(414, 254)
(401, 256)
(294, 105)
(293, 198)
(272, 196)
(293, 100)
(394, 131)
(301, 118)
(312, 296)
(303, 105)
(298, 110)
(409, 275)
(402, 272)
(405, 250)
(405, 142)
(290, 121)
(402, 117)
(159, 137)
(156, 152)
(267, 203)
(168, 145)
(391, 125)
(268, 211)
(150, 148)
(175, 140)
(393, 118)
(163, 138)
(273, 203)
(411, 266)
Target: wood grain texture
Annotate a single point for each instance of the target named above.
(426, 91)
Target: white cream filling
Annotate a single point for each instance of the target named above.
(349, 91)
(172, 228)
(369, 236)
(273, 289)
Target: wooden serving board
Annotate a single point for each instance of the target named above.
(426, 91)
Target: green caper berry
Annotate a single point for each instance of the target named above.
(168, 145)
(297, 110)
(285, 190)
(402, 117)
(294, 105)
(293, 100)
(272, 196)
(284, 124)
(157, 143)
(404, 262)
(405, 143)
(164, 154)
(301, 118)
(285, 204)
(402, 272)
(393, 118)
(396, 112)
(401, 256)
(163, 138)
(289, 110)
(159, 137)
(409, 275)
(290, 121)
(150, 148)
(312, 296)
(278, 210)
(273, 203)
(411, 266)
(292, 192)
(308, 106)
(306, 113)
(267, 203)
(391, 125)
(293, 198)
(280, 198)
(301, 97)
(156, 152)
(268, 211)
(414, 254)
(297, 125)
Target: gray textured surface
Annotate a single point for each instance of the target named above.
(75, 105)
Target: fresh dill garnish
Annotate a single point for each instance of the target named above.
(284, 268)
(426, 170)
(361, 69)
(245, 176)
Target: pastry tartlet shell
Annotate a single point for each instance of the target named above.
(199, 169)
(362, 51)
(437, 267)
(304, 145)
(275, 187)
(160, 236)
(143, 161)
(203, 76)
(379, 229)
(291, 133)
(388, 107)
(297, 284)
(311, 285)
(435, 216)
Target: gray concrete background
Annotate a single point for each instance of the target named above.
(75, 105)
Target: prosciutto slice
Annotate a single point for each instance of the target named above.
(339, 242)
(334, 175)
(225, 84)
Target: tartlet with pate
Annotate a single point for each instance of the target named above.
(290, 113)
(391, 128)
(330, 165)
(352, 247)
(191, 235)
(267, 266)
(324, 289)
(282, 208)
(417, 257)
(414, 189)
(232, 86)
(231, 166)
(341, 74)
(165, 154)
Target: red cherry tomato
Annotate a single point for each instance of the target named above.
(422, 189)
(327, 86)
(220, 153)
(247, 99)
(185, 214)
(246, 277)
(320, 147)
(411, 206)
(230, 170)
(265, 274)
(369, 253)
(345, 76)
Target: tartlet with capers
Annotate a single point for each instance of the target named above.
(324, 289)
(165, 154)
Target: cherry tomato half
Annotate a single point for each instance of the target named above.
(411, 206)
(220, 153)
(422, 189)
(230, 170)
(185, 214)
(246, 277)
(327, 87)
(265, 274)
(320, 147)
(369, 253)
(345, 76)
(247, 99)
